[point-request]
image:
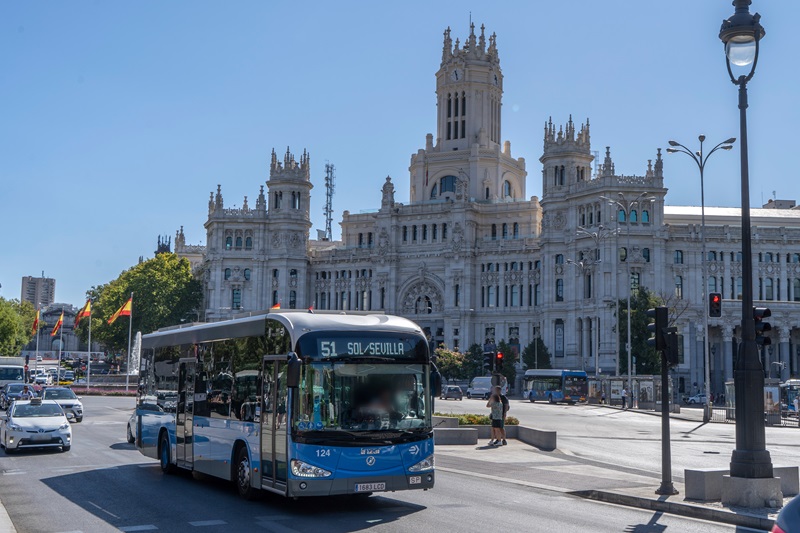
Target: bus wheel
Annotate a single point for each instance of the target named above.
(243, 474)
(531, 398)
(550, 399)
(163, 453)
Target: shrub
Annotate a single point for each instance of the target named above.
(477, 420)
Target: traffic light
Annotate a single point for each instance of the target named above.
(498, 362)
(658, 338)
(488, 361)
(671, 352)
(27, 359)
(759, 314)
(715, 305)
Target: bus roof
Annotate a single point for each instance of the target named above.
(298, 323)
(552, 372)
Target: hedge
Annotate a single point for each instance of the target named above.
(477, 420)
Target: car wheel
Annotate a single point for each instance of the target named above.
(131, 439)
(65, 448)
(78, 419)
(460, 399)
(243, 474)
(163, 453)
(469, 396)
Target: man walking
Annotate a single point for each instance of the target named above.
(624, 398)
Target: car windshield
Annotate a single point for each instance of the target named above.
(15, 388)
(59, 394)
(30, 410)
(362, 397)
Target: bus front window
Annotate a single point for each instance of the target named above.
(355, 397)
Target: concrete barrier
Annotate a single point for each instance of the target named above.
(455, 436)
(445, 422)
(542, 439)
(705, 484)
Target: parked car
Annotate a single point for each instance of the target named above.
(788, 520)
(452, 392)
(35, 423)
(68, 400)
(697, 398)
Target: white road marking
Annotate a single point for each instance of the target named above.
(148, 527)
(273, 517)
(202, 523)
(14, 472)
(97, 506)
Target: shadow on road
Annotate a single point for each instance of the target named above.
(108, 494)
(651, 527)
(122, 446)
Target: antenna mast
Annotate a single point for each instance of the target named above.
(330, 186)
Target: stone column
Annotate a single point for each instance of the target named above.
(784, 352)
(727, 351)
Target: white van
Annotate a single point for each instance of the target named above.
(11, 374)
(481, 387)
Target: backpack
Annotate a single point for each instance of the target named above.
(506, 405)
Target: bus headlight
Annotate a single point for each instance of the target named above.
(422, 466)
(303, 469)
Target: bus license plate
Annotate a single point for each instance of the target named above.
(370, 487)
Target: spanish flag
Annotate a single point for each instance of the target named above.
(58, 325)
(276, 306)
(125, 310)
(36, 322)
(86, 311)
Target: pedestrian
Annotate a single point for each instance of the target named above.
(796, 403)
(603, 398)
(495, 405)
(26, 393)
(624, 398)
(506, 407)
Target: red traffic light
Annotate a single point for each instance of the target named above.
(499, 355)
(715, 298)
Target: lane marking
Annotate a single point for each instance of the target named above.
(97, 506)
(148, 527)
(505, 480)
(203, 523)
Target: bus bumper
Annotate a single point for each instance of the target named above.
(360, 485)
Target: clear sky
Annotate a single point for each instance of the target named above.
(119, 118)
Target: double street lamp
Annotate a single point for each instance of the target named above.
(626, 206)
(741, 34)
(700, 158)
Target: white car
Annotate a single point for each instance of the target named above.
(35, 424)
(697, 398)
(133, 420)
(68, 400)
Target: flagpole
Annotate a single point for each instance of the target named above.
(128, 365)
(89, 360)
(60, 342)
(36, 361)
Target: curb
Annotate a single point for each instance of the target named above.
(5, 521)
(683, 509)
(650, 413)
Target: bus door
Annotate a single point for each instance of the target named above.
(185, 416)
(274, 422)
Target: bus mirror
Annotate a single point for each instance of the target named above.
(436, 380)
(293, 371)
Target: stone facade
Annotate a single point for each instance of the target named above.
(471, 258)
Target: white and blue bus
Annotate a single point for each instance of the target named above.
(296, 403)
(556, 386)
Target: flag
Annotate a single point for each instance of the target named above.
(125, 310)
(86, 311)
(58, 325)
(276, 306)
(311, 309)
(36, 322)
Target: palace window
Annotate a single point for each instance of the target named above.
(559, 290)
(507, 192)
(228, 243)
(236, 298)
(678, 257)
(227, 273)
(247, 274)
(248, 243)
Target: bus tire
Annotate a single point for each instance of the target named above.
(531, 398)
(164, 456)
(243, 475)
(550, 399)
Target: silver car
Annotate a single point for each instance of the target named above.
(35, 424)
(68, 400)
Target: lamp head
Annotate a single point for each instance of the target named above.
(671, 150)
(727, 147)
(673, 143)
(701, 137)
(731, 140)
(739, 34)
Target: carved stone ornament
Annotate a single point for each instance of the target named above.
(421, 290)
(383, 242)
(276, 240)
(458, 238)
(294, 240)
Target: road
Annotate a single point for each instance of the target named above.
(104, 484)
(632, 440)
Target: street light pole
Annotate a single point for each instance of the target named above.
(741, 34)
(626, 206)
(700, 159)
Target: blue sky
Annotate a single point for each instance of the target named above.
(119, 118)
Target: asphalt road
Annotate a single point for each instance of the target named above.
(104, 484)
(632, 440)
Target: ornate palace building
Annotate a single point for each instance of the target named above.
(472, 258)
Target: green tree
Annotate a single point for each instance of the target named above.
(473, 362)
(449, 363)
(16, 326)
(164, 294)
(508, 369)
(531, 351)
(646, 358)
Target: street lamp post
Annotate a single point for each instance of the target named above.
(627, 206)
(700, 158)
(584, 266)
(741, 34)
(602, 233)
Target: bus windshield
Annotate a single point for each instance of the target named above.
(363, 398)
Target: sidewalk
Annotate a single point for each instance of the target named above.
(556, 471)
(5, 521)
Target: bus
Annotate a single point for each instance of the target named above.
(790, 389)
(294, 403)
(556, 386)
